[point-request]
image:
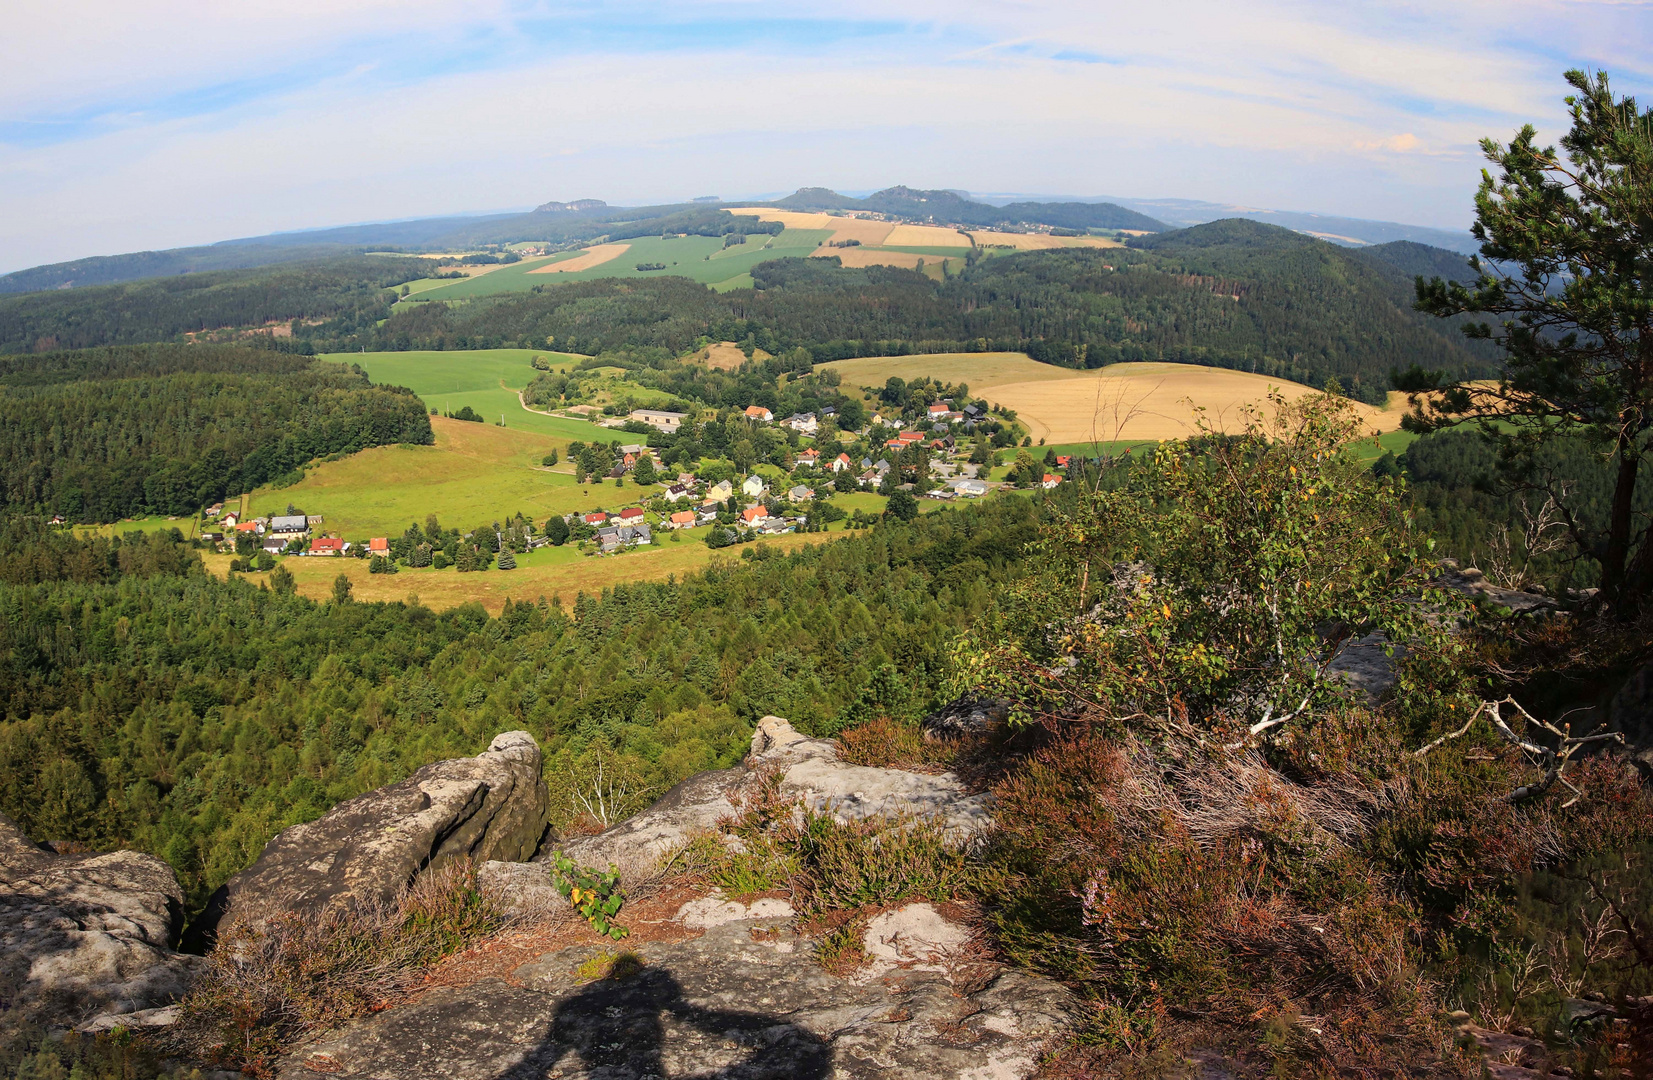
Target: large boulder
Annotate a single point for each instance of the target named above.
(86, 934)
(808, 770)
(367, 850)
(746, 998)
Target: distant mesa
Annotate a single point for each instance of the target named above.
(708, 198)
(575, 207)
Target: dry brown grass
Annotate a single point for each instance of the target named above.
(594, 256)
(724, 356)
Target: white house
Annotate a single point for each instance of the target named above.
(803, 423)
(971, 489)
(676, 492)
(754, 487)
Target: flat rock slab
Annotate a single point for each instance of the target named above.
(745, 1000)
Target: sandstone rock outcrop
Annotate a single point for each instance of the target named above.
(86, 934)
(808, 769)
(364, 851)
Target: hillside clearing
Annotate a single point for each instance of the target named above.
(1039, 241)
(487, 380)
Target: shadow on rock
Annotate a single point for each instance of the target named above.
(637, 1024)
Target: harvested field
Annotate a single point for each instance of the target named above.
(1039, 241)
(594, 256)
(879, 257)
(1149, 402)
(925, 236)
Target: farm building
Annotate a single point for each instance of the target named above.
(659, 419)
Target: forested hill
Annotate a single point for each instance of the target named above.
(1232, 294)
(346, 293)
(1420, 260)
(112, 433)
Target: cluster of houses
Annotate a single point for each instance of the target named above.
(275, 533)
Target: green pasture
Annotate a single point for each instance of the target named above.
(189, 526)
(485, 379)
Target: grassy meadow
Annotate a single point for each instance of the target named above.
(485, 379)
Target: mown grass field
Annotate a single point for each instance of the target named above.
(1122, 402)
(485, 379)
(552, 572)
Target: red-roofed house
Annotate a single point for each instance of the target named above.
(596, 519)
(842, 462)
(1062, 460)
(1050, 481)
(254, 527)
(753, 514)
(940, 408)
(758, 412)
(631, 514)
(810, 457)
(683, 519)
(327, 545)
(379, 545)
(896, 444)
(910, 436)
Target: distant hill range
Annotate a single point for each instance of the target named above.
(581, 221)
(954, 208)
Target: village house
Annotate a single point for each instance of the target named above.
(803, 423)
(707, 511)
(659, 419)
(328, 545)
(596, 518)
(1050, 481)
(801, 493)
(631, 515)
(616, 537)
(754, 487)
(840, 463)
(676, 492)
(683, 519)
(255, 527)
(753, 514)
(229, 521)
(939, 409)
(209, 537)
(971, 489)
(721, 491)
(687, 479)
(758, 412)
(289, 526)
(379, 545)
(215, 509)
(809, 458)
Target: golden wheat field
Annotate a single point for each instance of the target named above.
(1123, 401)
(594, 256)
(880, 257)
(925, 236)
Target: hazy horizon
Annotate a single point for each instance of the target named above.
(184, 123)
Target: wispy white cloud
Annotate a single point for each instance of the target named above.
(187, 122)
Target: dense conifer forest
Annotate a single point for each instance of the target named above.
(151, 705)
(104, 434)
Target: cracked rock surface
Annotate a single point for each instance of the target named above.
(746, 999)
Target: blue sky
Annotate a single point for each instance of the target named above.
(124, 127)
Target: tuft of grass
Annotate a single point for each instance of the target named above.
(266, 986)
(606, 965)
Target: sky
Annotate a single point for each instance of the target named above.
(130, 126)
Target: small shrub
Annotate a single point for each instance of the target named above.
(596, 896)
